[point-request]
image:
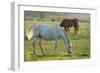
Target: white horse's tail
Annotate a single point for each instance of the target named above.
(29, 32)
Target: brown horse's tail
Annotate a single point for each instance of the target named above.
(78, 28)
(77, 25)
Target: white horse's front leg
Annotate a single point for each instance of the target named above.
(56, 46)
(40, 43)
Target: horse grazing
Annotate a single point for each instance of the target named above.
(49, 32)
(67, 23)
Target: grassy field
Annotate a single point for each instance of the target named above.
(80, 45)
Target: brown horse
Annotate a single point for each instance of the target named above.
(67, 23)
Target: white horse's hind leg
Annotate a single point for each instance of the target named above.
(34, 46)
(56, 46)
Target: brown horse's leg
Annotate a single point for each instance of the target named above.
(65, 29)
(75, 30)
(68, 30)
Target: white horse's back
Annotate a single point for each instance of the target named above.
(48, 32)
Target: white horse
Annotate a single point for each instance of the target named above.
(48, 32)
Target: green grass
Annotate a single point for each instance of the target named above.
(80, 45)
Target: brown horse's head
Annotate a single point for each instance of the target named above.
(64, 22)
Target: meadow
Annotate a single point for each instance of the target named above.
(80, 45)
